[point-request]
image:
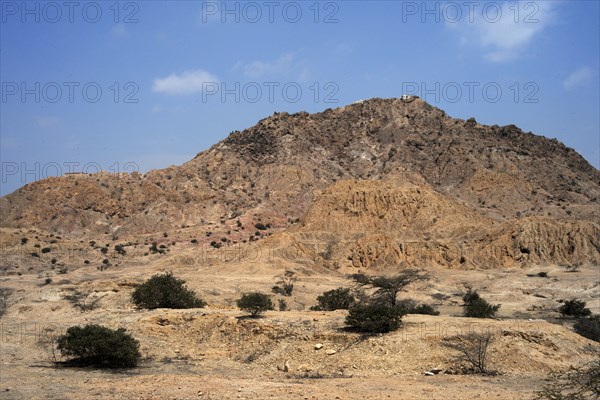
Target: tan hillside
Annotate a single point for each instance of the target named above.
(370, 224)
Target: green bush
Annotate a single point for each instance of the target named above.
(336, 299)
(410, 306)
(425, 309)
(165, 291)
(255, 303)
(98, 346)
(589, 327)
(574, 308)
(374, 318)
(476, 307)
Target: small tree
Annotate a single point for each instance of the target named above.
(588, 327)
(336, 299)
(165, 291)
(99, 346)
(285, 284)
(374, 318)
(476, 307)
(574, 308)
(388, 287)
(255, 303)
(581, 383)
(474, 349)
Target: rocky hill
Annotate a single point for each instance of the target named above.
(405, 170)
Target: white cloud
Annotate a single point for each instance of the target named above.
(506, 29)
(577, 78)
(187, 82)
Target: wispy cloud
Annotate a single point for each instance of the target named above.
(578, 78)
(46, 122)
(506, 30)
(188, 82)
(286, 65)
(281, 66)
(119, 31)
(342, 49)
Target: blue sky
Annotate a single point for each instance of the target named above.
(146, 84)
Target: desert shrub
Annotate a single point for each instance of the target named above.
(374, 318)
(99, 346)
(474, 348)
(440, 297)
(46, 250)
(82, 300)
(119, 248)
(155, 249)
(410, 306)
(255, 303)
(282, 305)
(574, 308)
(476, 307)
(336, 299)
(260, 226)
(581, 383)
(425, 309)
(589, 327)
(165, 291)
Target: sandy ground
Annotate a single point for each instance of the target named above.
(216, 353)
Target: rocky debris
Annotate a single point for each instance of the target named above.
(318, 346)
